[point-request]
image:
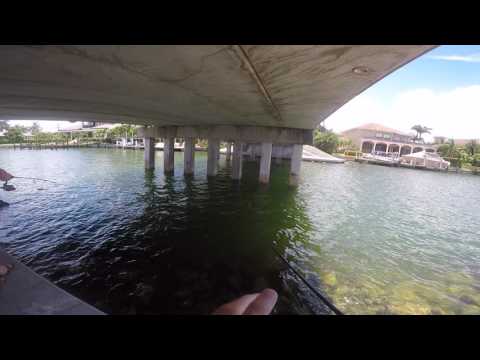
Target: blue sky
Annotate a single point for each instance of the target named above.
(433, 70)
(440, 89)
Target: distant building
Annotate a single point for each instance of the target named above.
(440, 140)
(375, 137)
(463, 142)
(85, 126)
(28, 136)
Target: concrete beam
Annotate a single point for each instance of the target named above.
(189, 156)
(212, 161)
(237, 160)
(149, 155)
(248, 134)
(265, 161)
(168, 155)
(295, 165)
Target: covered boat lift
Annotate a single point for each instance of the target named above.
(424, 160)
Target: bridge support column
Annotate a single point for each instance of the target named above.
(237, 160)
(189, 156)
(149, 154)
(212, 161)
(265, 161)
(252, 152)
(229, 151)
(295, 164)
(168, 155)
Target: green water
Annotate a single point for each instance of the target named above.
(375, 240)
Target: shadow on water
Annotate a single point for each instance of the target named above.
(199, 243)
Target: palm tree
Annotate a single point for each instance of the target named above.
(420, 130)
(4, 125)
(35, 128)
(472, 147)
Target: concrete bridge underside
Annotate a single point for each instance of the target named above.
(273, 94)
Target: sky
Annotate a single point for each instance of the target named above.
(440, 89)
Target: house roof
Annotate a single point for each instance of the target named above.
(377, 127)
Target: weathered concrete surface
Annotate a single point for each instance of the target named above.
(189, 156)
(250, 134)
(295, 164)
(212, 160)
(149, 154)
(265, 161)
(27, 293)
(292, 86)
(168, 155)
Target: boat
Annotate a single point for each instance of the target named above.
(380, 158)
(176, 147)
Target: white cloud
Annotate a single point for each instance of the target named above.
(465, 58)
(454, 113)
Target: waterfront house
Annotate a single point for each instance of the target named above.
(372, 137)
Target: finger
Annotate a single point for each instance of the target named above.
(237, 306)
(4, 269)
(263, 304)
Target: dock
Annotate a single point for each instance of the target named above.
(24, 292)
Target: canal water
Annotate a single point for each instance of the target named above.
(374, 240)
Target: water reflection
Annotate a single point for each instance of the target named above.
(196, 244)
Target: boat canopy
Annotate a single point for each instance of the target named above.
(430, 160)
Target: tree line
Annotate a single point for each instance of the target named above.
(461, 155)
(17, 134)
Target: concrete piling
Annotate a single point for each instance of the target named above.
(189, 156)
(237, 160)
(149, 154)
(212, 161)
(168, 155)
(229, 151)
(295, 164)
(265, 162)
